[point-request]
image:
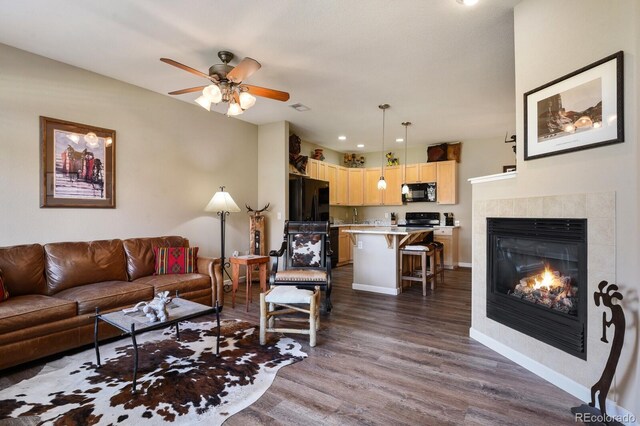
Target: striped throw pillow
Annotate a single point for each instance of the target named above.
(4, 293)
(175, 260)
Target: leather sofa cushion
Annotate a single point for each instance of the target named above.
(107, 295)
(184, 283)
(73, 264)
(23, 269)
(31, 310)
(140, 256)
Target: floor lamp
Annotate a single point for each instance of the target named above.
(222, 204)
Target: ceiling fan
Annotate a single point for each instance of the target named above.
(226, 84)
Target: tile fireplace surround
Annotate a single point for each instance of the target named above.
(564, 370)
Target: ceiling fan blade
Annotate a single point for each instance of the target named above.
(184, 67)
(243, 70)
(267, 93)
(189, 90)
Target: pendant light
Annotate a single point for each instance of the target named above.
(405, 187)
(382, 184)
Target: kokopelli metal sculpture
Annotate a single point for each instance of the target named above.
(603, 385)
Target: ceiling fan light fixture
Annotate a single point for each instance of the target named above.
(234, 109)
(246, 100)
(204, 102)
(213, 93)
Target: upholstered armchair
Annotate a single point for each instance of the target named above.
(304, 259)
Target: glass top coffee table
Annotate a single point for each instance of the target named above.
(134, 323)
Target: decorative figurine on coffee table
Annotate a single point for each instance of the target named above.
(156, 310)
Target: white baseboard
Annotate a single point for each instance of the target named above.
(376, 289)
(465, 264)
(576, 389)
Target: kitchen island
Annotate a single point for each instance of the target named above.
(376, 259)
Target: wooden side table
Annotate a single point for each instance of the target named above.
(248, 262)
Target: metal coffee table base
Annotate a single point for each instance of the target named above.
(152, 326)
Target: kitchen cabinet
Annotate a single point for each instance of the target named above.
(342, 187)
(344, 247)
(392, 196)
(322, 170)
(356, 187)
(420, 172)
(372, 195)
(312, 168)
(446, 191)
(332, 177)
(448, 236)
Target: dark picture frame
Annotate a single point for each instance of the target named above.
(77, 165)
(581, 110)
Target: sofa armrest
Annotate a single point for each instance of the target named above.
(212, 267)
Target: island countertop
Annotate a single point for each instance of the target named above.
(410, 234)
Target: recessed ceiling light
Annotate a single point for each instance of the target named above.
(399, 140)
(467, 2)
(360, 145)
(342, 138)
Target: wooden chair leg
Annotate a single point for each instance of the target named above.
(263, 319)
(423, 264)
(313, 307)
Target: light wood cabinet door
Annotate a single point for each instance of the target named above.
(344, 246)
(322, 171)
(342, 183)
(428, 172)
(446, 182)
(332, 177)
(449, 239)
(312, 168)
(356, 187)
(392, 196)
(412, 173)
(372, 195)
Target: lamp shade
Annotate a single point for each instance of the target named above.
(234, 109)
(222, 202)
(382, 184)
(204, 102)
(246, 100)
(213, 93)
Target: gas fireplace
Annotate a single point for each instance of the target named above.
(537, 279)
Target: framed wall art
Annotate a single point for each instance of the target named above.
(581, 110)
(77, 165)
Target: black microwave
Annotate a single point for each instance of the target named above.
(424, 192)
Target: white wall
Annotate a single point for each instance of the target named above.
(170, 158)
(553, 39)
(273, 181)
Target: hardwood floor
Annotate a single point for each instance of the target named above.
(403, 359)
(395, 360)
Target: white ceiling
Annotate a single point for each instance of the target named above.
(447, 68)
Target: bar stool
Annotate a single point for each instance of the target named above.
(439, 263)
(421, 252)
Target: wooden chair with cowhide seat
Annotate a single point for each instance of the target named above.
(304, 259)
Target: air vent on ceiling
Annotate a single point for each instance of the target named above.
(300, 107)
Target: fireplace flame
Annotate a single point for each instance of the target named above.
(547, 280)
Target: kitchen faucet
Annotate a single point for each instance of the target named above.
(355, 215)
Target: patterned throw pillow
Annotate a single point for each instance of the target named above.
(306, 250)
(4, 293)
(175, 260)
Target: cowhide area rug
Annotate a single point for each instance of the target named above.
(180, 381)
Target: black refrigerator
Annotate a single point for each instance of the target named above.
(308, 199)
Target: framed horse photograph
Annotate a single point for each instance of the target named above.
(77, 165)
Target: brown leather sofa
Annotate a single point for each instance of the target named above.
(54, 290)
